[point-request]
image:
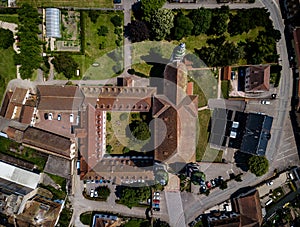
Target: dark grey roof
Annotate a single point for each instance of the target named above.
(256, 134)
(219, 123)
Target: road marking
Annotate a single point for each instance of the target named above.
(285, 157)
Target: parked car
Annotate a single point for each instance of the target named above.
(213, 183)
(199, 218)
(156, 194)
(71, 118)
(265, 102)
(117, 1)
(202, 189)
(59, 117)
(46, 116)
(155, 205)
(156, 201)
(269, 183)
(50, 116)
(208, 184)
(156, 209)
(156, 197)
(92, 193)
(193, 223)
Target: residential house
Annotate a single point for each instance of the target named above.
(257, 78)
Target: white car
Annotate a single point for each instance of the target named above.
(71, 118)
(50, 116)
(269, 183)
(92, 193)
(156, 197)
(59, 117)
(265, 102)
(156, 193)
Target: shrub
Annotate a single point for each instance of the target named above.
(102, 31)
(116, 20)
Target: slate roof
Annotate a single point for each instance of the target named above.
(256, 134)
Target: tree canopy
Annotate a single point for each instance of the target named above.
(30, 50)
(161, 22)
(116, 20)
(259, 165)
(201, 19)
(219, 21)
(183, 26)
(140, 130)
(6, 38)
(137, 31)
(131, 197)
(149, 7)
(64, 63)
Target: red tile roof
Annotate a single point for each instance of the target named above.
(259, 78)
(26, 114)
(250, 209)
(59, 98)
(47, 142)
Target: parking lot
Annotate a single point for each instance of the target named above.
(61, 127)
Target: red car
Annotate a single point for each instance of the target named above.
(155, 201)
(208, 184)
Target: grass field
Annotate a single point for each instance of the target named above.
(205, 85)
(11, 18)
(142, 58)
(116, 135)
(8, 69)
(109, 59)
(225, 87)
(203, 151)
(71, 3)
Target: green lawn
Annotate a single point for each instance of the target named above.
(8, 69)
(57, 194)
(12, 148)
(86, 218)
(205, 81)
(225, 87)
(203, 151)
(72, 3)
(116, 132)
(11, 18)
(142, 59)
(58, 180)
(110, 59)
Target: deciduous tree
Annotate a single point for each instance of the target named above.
(161, 22)
(201, 19)
(259, 165)
(182, 26)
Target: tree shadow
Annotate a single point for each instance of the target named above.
(241, 160)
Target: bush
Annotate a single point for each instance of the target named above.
(102, 31)
(140, 130)
(108, 117)
(108, 148)
(6, 38)
(123, 116)
(131, 71)
(102, 45)
(103, 192)
(116, 20)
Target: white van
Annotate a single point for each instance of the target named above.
(269, 202)
(71, 118)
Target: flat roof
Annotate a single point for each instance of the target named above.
(19, 176)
